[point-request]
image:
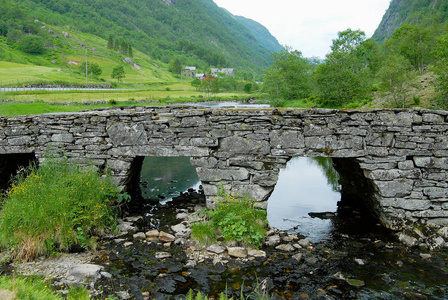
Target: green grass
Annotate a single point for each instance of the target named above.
(56, 207)
(235, 219)
(35, 287)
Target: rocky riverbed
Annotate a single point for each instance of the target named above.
(153, 258)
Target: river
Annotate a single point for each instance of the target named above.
(350, 256)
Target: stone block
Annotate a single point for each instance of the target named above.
(241, 145)
(286, 139)
(216, 175)
(395, 188)
(126, 134)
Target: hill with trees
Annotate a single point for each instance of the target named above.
(196, 32)
(416, 12)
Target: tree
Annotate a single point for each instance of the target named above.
(31, 44)
(395, 73)
(347, 71)
(110, 42)
(289, 76)
(118, 73)
(413, 42)
(174, 66)
(441, 69)
(196, 83)
(92, 69)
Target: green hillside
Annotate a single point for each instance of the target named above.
(415, 12)
(197, 32)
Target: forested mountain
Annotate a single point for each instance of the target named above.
(415, 12)
(197, 32)
(261, 33)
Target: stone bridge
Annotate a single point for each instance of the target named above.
(393, 161)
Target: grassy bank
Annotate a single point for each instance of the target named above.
(56, 207)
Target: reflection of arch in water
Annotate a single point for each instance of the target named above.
(157, 177)
(303, 188)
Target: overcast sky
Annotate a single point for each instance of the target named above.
(310, 25)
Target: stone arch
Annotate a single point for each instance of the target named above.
(11, 163)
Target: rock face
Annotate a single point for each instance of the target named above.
(396, 161)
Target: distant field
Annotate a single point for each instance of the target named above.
(13, 73)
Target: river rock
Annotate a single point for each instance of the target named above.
(407, 240)
(182, 216)
(127, 244)
(216, 249)
(298, 257)
(152, 233)
(360, 261)
(285, 247)
(290, 238)
(256, 253)
(125, 226)
(273, 240)
(139, 236)
(133, 219)
(304, 243)
(425, 255)
(85, 273)
(162, 255)
(238, 252)
(181, 230)
(166, 237)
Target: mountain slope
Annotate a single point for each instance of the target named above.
(261, 33)
(416, 12)
(196, 31)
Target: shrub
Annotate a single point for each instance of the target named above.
(236, 219)
(58, 206)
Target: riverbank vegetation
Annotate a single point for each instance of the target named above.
(233, 219)
(56, 207)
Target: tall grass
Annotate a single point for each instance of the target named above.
(56, 207)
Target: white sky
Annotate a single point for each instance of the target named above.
(310, 25)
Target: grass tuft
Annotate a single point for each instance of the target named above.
(235, 219)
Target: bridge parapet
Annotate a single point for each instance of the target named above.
(394, 160)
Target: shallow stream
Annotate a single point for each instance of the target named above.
(350, 256)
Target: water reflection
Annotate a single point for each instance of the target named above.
(166, 177)
(306, 185)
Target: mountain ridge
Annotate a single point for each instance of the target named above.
(160, 28)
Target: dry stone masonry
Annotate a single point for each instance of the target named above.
(395, 161)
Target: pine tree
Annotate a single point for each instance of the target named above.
(110, 42)
(130, 52)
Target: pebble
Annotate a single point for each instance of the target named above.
(298, 257)
(256, 253)
(162, 255)
(425, 255)
(360, 261)
(139, 236)
(216, 249)
(153, 233)
(285, 247)
(304, 243)
(273, 240)
(166, 237)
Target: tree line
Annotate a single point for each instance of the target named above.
(356, 67)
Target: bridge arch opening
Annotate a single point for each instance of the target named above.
(158, 179)
(10, 164)
(318, 196)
